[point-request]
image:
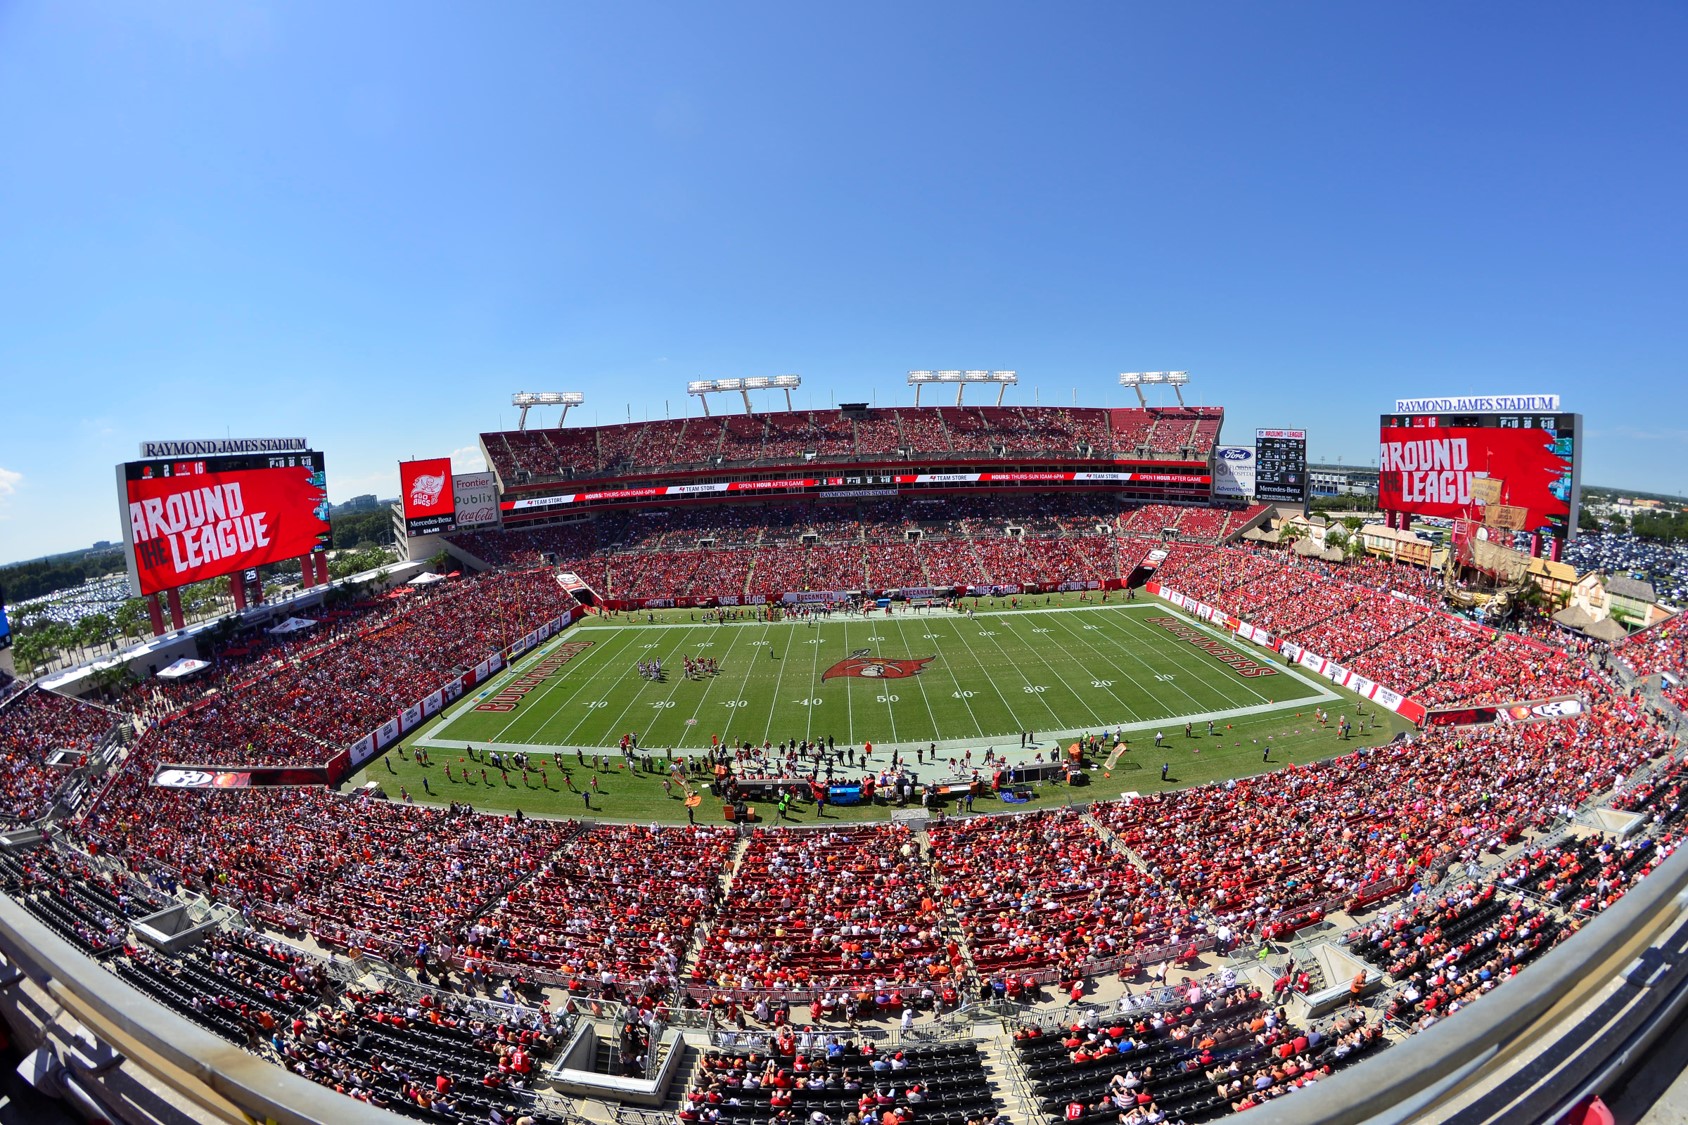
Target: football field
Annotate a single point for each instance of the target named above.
(903, 680)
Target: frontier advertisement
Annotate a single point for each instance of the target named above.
(188, 521)
(475, 499)
(430, 505)
(1233, 471)
(1497, 470)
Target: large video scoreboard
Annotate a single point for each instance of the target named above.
(1280, 466)
(1513, 472)
(187, 519)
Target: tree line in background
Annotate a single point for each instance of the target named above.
(37, 578)
(361, 538)
(1665, 525)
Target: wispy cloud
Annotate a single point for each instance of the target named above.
(10, 482)
(468, 460)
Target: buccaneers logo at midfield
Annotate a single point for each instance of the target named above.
(877, 667)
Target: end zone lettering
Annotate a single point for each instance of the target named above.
(1239, 663)
(513, 692)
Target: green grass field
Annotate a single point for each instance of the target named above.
(1058, 671)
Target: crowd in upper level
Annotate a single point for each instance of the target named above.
(799, 437)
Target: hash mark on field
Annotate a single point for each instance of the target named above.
(1116, 635)
(1101, 656)
(530, 708)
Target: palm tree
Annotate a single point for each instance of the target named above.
(131, 617)
(95, 630)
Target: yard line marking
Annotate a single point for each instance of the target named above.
(709, 686)
(779, 675)
(1131, 654)
(1276, 660)
(937, 728)
(1039, 695)
(633, 698)
(961, 632)
(530, 706)
(1118, 627)
(749, 670)
(678, 641)
(527, 660)
(849, 709)
(885, 692)
(1147, 694)
(814, 680)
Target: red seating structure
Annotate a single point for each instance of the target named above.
(1046, 892)
(32, 726)
(841, 908)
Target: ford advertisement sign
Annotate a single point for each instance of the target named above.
(1233, 472)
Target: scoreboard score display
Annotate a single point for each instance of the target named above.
(1514, 472)
(1280, 466)
(190, 519)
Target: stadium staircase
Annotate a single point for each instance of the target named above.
(1008, 1078)
(701, 932)
(1111, 838)
(951, 924)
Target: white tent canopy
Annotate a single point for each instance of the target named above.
(186, 666)
(293, 625)
(426, 579)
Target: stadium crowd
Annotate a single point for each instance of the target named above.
(33, 725)
(1661, 649)
(857, 919)
(769, 550)
(270, 700)
(1046, 892)
(799, 437)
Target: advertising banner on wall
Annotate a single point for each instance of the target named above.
(361, 751)
(187, 521)
(1233, 471)
(246, 777)
(475, 499)
(519, 507)
(425, 489)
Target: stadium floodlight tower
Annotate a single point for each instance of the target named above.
(703, 388)
(527, 400)
(1002, 379)
(1137, 380)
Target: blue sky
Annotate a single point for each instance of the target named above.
(369, 224)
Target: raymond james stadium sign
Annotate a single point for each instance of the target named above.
(218, 447)
(1478, 404)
